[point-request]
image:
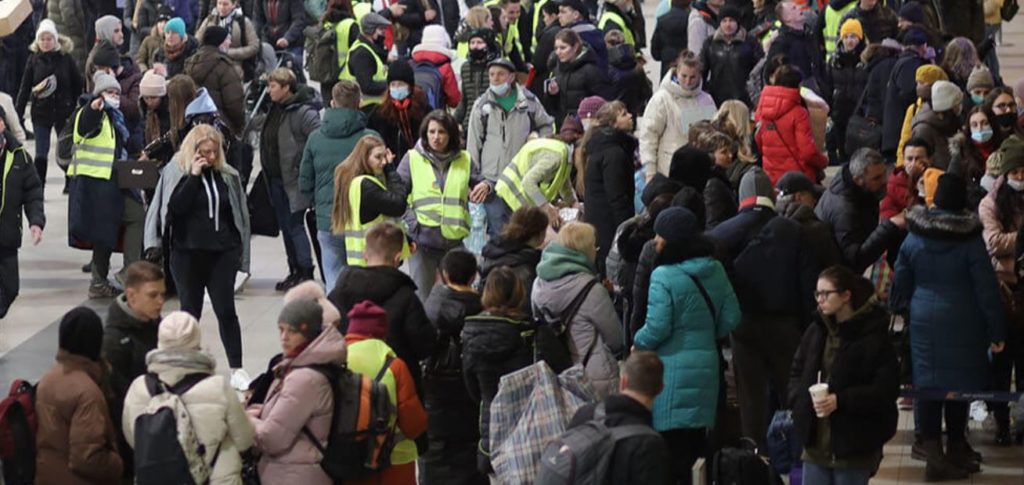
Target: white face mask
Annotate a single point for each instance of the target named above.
(1017, 185)
(113, 101)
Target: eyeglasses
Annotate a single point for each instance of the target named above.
(823, 294)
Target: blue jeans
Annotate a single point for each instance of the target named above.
(43, 130)
(293, 229)
(332, 256)
(819, 475)
(497, 214)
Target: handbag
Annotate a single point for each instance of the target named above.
(862, 132)
(262, 219)
(1009, 10)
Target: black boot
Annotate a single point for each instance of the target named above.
(938, 467)
(288, 282)
(963, 456)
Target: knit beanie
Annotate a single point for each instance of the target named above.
(105, 27)
(730, 11)
(153, 84)
(588, 106)
(101, 81)
(179, 331)
(676, 225)
(81, 333)
(929, 73)
(951, 194)
(911, 11)
(852, 26)
(691, 167)
(793, 182)
(915, 36)
(945, 96)
(305, 316)
(369, 320)
(164, 13)
(1011, 154)
(980, 78)
(402, 71)
(106, 55)
(46, 26)
(311, 290)
(215, 35)
(931, 184)
(571, 128)
(436, 36)
(756, 188)
(175, 25)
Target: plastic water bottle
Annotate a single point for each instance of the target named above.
(979, 411)
(478, 229)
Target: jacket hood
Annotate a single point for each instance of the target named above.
(776, 101)
(185, 361)
(741, 36)
(376, 283)
(557, 261)
(130, 319)
(503, 252)
(786, 207)
(946, 125)
(491, 338)
(64, 44)
(701, 267)
(939, 224)
(553, 297)
(93, 368)
(303, 96)
(448, 308)
(586, 56)
(432, 53)
(669, 84)
(611, 137)
(326, 348)
(342, 122)
(875, 53)
(870, 318)
(202, 104)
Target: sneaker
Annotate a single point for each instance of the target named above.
(102, 290)
(241, 278)
(240, 379)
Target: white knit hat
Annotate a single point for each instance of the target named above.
(945, 95)
(180, 331)
(436, 36)
(47, 27)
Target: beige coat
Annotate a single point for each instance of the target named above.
(1001, 241)
(666, 123)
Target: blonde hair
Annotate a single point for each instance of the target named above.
(578, 236)
(733, 118)
(197, 136)
(357, 163)
(477, 17)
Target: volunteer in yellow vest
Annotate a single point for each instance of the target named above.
(97, 208)
(539, 174)
(369, 355)
(511, 44)
(367, 191)
(440, 181)
(340, 17)
(617, 15)
(20, 190)
(367, 60)
(834, 12)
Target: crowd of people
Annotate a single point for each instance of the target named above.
(681, 236)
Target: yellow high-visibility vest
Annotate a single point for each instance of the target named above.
(355, 230)
(381, 75)
(343, 32)
(510, 181)
(367, 357)
(614, 17)
(434, 206)
(94, 157)
(832, 25)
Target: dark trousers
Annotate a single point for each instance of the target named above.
(450, 462)
(685, 445)
(213, 271)
(293, 229)
(931, 413)
(1003, 368)
(134, 220)
(10, 282)
(43, 130)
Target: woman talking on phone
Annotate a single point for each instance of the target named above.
(202, 214)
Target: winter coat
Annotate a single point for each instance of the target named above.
(494, 136)
(595, 330)
(727, 65)
(853, 214)
(937, 129)
(148, 49)
(594, 38)
(967, 159)
(960, 18)
(245, 43)
(1000, 240)
(900, 92)
(579, 78)
(474, 84)
(325, 149)
(630, 82)
(363, 66)
(818, 233)
(58, 106)
(145, 17)
(845, 83)
(453, 413)
(126, 341)
(177, 65)
(864, 377)
(543, 55)
(218, 419)
(803, 51)
(443, 61)
(608, 183)
(878, 23)
(719, 201)
(952, 319)
(95, 205)
(21, 192)
(683, 331)
(670, 37)
(639, 460)
(390, 126)
(74, 19)
(287, 24)
(898, 194)
(300, 119)
(521, 258)
(215, 71)
(879, 64)
(75, 443)
(410, 333)
(784, 135)
(700, 27)
(300, 397)
(666, 122)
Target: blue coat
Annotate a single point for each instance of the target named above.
(682, 330)
(945, 279)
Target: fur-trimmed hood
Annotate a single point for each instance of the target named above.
(879, 51)
(940, 224)
(64, 44)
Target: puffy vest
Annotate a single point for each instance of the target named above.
(380, 76)
(832, 25)
(8, 163)
(366, 357)
(355, 230)
(614, 17)
(510, 181)
(94, 157)
(343, 32)
(434, 207)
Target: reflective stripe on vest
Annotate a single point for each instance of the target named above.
(832, 25)
(510, 39)
(360, 9)
(366, 357)
(447, 209)
(510, 181)
(8, 163)
(355, 230)
(538, 7)
(94, 157)
(343, 32)
(621, 22)
(380, 76)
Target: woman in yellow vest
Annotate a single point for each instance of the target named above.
(340, 17)
(539, 175)
(367, 191)
(440, 181)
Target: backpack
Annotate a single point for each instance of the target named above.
(167, 450)
(362, 436)
(428, 78)
(583, 455)
(18, 434)
(323, 61)
(551, 339)
(783, 445)
(742, 466)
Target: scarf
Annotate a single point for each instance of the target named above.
(117, 118)
(230, 19)
(173, 53)
(403, 118)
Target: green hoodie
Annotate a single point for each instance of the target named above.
(557, 261)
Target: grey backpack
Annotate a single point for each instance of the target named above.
(583, 455)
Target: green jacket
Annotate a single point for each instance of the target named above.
(325, 149)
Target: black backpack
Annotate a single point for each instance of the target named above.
(551, 338)
(742, 466)
(757, 287)
(429, 79)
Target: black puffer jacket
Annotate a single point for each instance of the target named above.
(21, 192)
(641, 460)
(878, 23)
(900, 93)
(41, 65)
(578, 79)
(727, 65)
(803, 51)
(845, 82)
(818, 233)
(864, 377)
(879, 62)
(670, 36)
(521, 258)
(609, 184)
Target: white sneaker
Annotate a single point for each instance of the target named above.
(240, 379)
(241, 278)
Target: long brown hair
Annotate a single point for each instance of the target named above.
(181, 90)
(357, 163)
(503, 293)
(604, 117)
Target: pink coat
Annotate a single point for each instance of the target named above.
(1001, 241)
(298, 397)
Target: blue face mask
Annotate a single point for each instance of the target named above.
(981, 136)
(977, 98)
(399, 93)
(500, 89)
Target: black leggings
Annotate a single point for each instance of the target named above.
(931, 413)
(1003, 365)
(685, 445)
(213, 271)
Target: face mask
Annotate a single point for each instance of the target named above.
(1016, 185)
(500, 89)
(399, 93)
(981, 136)
(1006, 120)
(977, 98)
(113, 102)
(478, 54)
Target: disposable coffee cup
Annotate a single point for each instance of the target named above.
(819, 391)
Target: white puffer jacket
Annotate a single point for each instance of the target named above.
(666, 122)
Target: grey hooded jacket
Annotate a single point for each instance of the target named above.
(494, 137)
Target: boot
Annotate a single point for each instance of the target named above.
(917, 450)
(938, 467)
(963, 456)
(287, 283)
(303, 274)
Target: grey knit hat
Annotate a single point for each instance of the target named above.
(305, 316)
(101, 81)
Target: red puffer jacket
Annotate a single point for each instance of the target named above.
(784, 134)
(452, 95)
